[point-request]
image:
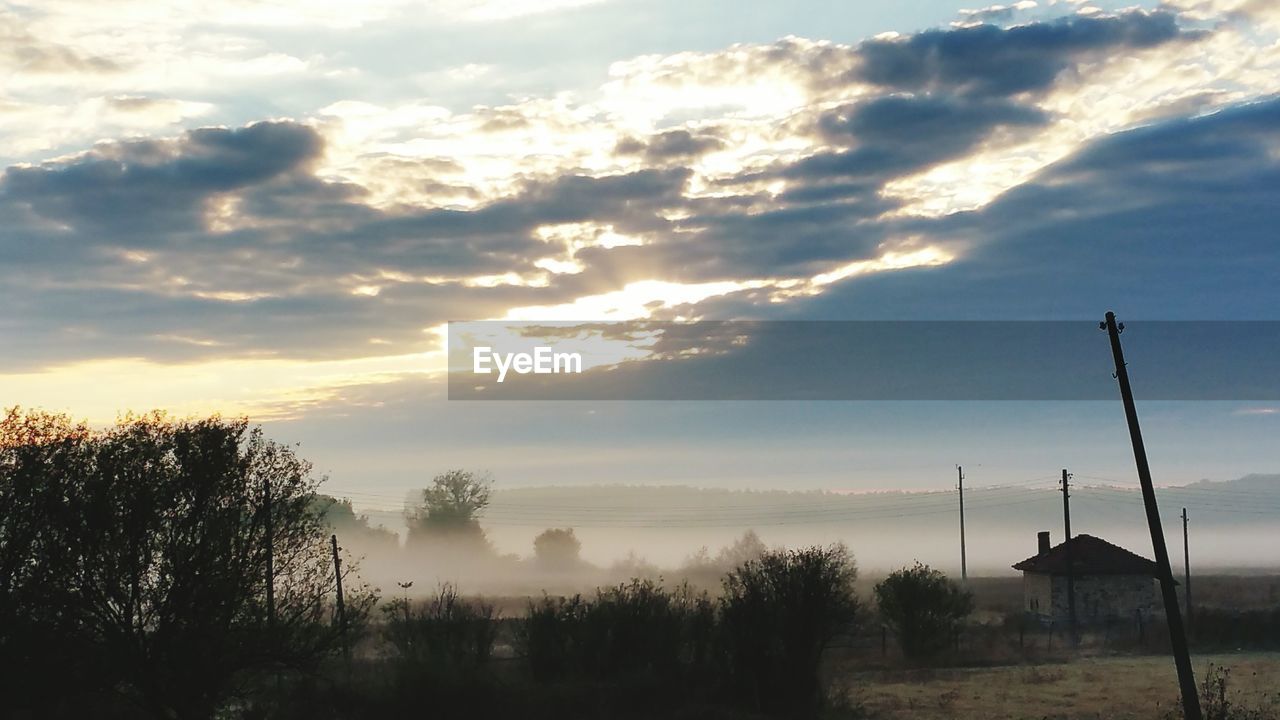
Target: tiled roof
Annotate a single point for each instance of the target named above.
(1089, 556)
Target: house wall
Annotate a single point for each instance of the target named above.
(1037, 591)
(1098, 597)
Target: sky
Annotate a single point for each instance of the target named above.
(273, 209)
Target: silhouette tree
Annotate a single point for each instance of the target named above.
(152, 551)
(38, 640)
(923, 607)
(450, 507)
(557, 549)
(779, 612)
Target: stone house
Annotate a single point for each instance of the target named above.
(1111, 583)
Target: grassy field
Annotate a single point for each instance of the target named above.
(1110, 688)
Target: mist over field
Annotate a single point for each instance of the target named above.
(660, 530)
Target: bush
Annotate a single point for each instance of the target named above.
(550, 637)
(446, 635)
(923, 607)
(778, 614)
(632, 629)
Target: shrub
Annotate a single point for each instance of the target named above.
(923, 607)
(632, 629)
(778, 614)
(549, 637)
(445, 635)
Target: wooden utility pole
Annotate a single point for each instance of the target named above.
(964, 566)
(1186, 568)
(341, 606)
(1071, 575)
(271, 554)
(337, 576)
(1177, 634)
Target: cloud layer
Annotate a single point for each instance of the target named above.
(1017, 168)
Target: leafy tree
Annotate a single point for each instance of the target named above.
(779, 613)
(150, 545)
(557, 549)
(450, 507)
(923, 607)
(40, 456)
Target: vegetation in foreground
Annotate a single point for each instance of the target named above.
(180, 569)
(183, 569)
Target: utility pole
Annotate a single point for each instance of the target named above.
(1186, 568)
(1071, 575)
(337, 576)
(964, 567)
(1177, 634)
(271, 554)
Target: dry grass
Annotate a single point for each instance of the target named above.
(1113, 688)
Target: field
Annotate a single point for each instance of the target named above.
(1115, 688)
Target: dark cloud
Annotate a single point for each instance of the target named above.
(875, 141)
(830, 192)
(986, 60)
(280, 283)
(678, 145)
(301, 243)
(911, 121)
(1237, 134)
(1173, 220)
(159, 186)
(324, 323)
(827, 212)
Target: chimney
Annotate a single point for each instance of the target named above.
(1042, 538)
